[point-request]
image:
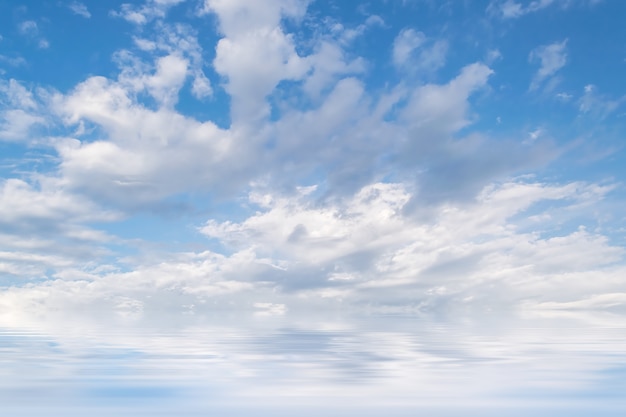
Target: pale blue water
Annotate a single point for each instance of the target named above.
(338, 366)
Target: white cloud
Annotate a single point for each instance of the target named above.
(296, 253)
(443, 108)
(433, 58)
(17, 95)
(139, 158)
(511, 9)
(441, 233)
(425, 118)
(24, 206)
(405, 43)
(19, 112)
(79, 9)
(552, 58)
(368, 238)
(29, 28)
(43, 229)
(270, 309)
(149, 11)
(256, 55)
(414, 51)
(241, 16)
(16, 124)
(597, 104)
(176, 41)
(335, 192)
(563, 96)
(148, 154)
(596, 302)
(13, 61)
(328, 63)
(345, 35)
(201, 87)
(493, 55)
(170, 75)
(343, 248)
(143, 155)
(253, 65)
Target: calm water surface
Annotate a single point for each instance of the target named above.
(540, 365)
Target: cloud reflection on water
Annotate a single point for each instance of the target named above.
(268, 365)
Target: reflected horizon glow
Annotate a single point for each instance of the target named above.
(347, 365)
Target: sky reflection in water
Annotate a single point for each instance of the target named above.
(572, 365)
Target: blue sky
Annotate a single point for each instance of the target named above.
(289, 154)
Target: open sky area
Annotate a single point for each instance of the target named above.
(313, 207)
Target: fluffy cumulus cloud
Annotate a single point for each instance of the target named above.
(367, 249)
(255, 54)
(305, 179)
(141, 162)
(363, 251)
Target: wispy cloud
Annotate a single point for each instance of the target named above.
(30, 29)
(79, 9)
(405, 43)
(15, 61)
(551, 58)
(598, 104)
(145, 13)
(414, 51)
(19, 112)
(511, 9)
